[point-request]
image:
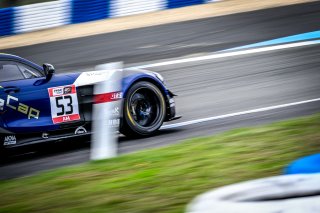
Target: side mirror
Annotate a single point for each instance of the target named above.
(48, 71)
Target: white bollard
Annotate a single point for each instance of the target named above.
(285, 194)
(106, 112)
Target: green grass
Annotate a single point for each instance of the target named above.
(165, 179)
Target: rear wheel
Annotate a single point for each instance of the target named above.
(144, 110)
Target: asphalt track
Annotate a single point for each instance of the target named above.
(205, 88)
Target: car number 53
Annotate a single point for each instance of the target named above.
(64, 104)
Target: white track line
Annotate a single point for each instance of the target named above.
(264, 109)
(230, 54)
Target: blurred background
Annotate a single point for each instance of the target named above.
(246, 75)
(14, 3)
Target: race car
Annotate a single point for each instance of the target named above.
(37, 105)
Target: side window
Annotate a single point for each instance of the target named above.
(29, 72)
(9, 71)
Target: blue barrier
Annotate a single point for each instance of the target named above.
(306, 165)
(57, 13)
(183, 3)
(6, 21)
(89, 10)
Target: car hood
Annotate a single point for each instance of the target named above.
(93, 77)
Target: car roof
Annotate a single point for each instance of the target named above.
(5, 56)
(9, 56)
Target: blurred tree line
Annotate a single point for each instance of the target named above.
(9, 3)
(13, 3)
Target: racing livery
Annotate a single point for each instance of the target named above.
(37, 105)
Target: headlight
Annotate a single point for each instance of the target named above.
(160, 77)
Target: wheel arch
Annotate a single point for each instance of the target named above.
(130, 82)
(133, 81)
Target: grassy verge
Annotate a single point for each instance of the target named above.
(166, 179)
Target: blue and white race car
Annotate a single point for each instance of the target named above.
(37, 105)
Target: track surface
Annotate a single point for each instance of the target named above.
(205, 88)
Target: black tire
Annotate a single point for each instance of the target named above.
(144, 110)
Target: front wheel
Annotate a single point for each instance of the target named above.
(144, 110)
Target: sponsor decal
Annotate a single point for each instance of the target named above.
(14, 104)
(116, 95)
(45, 135)
(80, 130)
(64, 104)
(57, 91)
(67, 90)
(116, 111)
(93, 77)
(114, 122)
(107, 97)
(9, 140)
(63, 90)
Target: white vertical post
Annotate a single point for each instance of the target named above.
(106, 112)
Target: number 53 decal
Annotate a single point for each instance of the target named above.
(64, 104)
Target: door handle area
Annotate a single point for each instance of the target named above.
(11, 89)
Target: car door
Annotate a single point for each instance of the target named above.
(27, 106)
(2, 111)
